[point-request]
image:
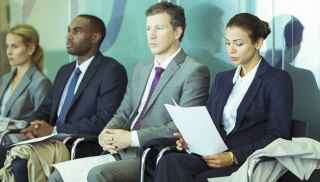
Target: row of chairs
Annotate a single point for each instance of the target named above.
(87, 145)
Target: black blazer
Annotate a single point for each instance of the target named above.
(97, 98)
(263, 115)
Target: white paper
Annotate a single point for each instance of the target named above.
(58, 136)
(78, 169)
(4, 123)
(198, 129)
(8, 123)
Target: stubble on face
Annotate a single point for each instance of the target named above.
(162, 37)
(79, 38)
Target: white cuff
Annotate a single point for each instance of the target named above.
(54, 131)
(134, 139)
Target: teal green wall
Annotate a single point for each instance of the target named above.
(126, 37)
(203, 39)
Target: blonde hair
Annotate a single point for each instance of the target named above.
(29, 36)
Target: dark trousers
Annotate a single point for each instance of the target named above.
(20, 170)
(3, 154)
(182, 167)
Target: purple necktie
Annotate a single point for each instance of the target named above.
(154, 84)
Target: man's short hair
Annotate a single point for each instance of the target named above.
(175, 12)
(97, 24)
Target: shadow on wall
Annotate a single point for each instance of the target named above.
(204, 36)
(306, 93)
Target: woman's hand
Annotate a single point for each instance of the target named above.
(181, 144)
(224, 159)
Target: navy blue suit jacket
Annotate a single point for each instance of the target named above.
(97, 98)
(263, 115)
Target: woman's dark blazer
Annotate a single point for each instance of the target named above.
(263, 115)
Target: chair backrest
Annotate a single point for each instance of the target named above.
(299, 128)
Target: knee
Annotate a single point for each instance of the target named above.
(92, 174)
(170, 159)
(98, 174)
(55, 177)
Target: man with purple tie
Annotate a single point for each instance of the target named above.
(171, 75)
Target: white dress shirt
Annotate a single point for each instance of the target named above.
(240, 88)
(134, 135)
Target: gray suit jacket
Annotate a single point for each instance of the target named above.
(27, 96)
(184, 80)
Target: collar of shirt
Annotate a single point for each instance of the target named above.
(166, 62)
(248, 76)
(84, 66)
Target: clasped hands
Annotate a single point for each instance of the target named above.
(37, 128)
(220, 160)
(113, 140)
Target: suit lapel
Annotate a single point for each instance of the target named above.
(85, 80)
(224, 95)
(247, 100)
(166, 76)
(92, 69)
(61, 82)
(145, 73)
(6, 82)
(23, 84)
(251, 93)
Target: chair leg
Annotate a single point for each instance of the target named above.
(162, 152)
(143, 163)
(74, 147)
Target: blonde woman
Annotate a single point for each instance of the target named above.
(24, 88)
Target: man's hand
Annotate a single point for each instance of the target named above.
(220, 160)
(37, 128)
(29, 132)
(181, 143)
(121, 138)
(106, 141)
(113, 140)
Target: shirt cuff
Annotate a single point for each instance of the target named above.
(134, 139)
(55, 131)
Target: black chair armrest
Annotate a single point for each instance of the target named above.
(151, 153)
(83, 145)
(86, 136)
(159, 143)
